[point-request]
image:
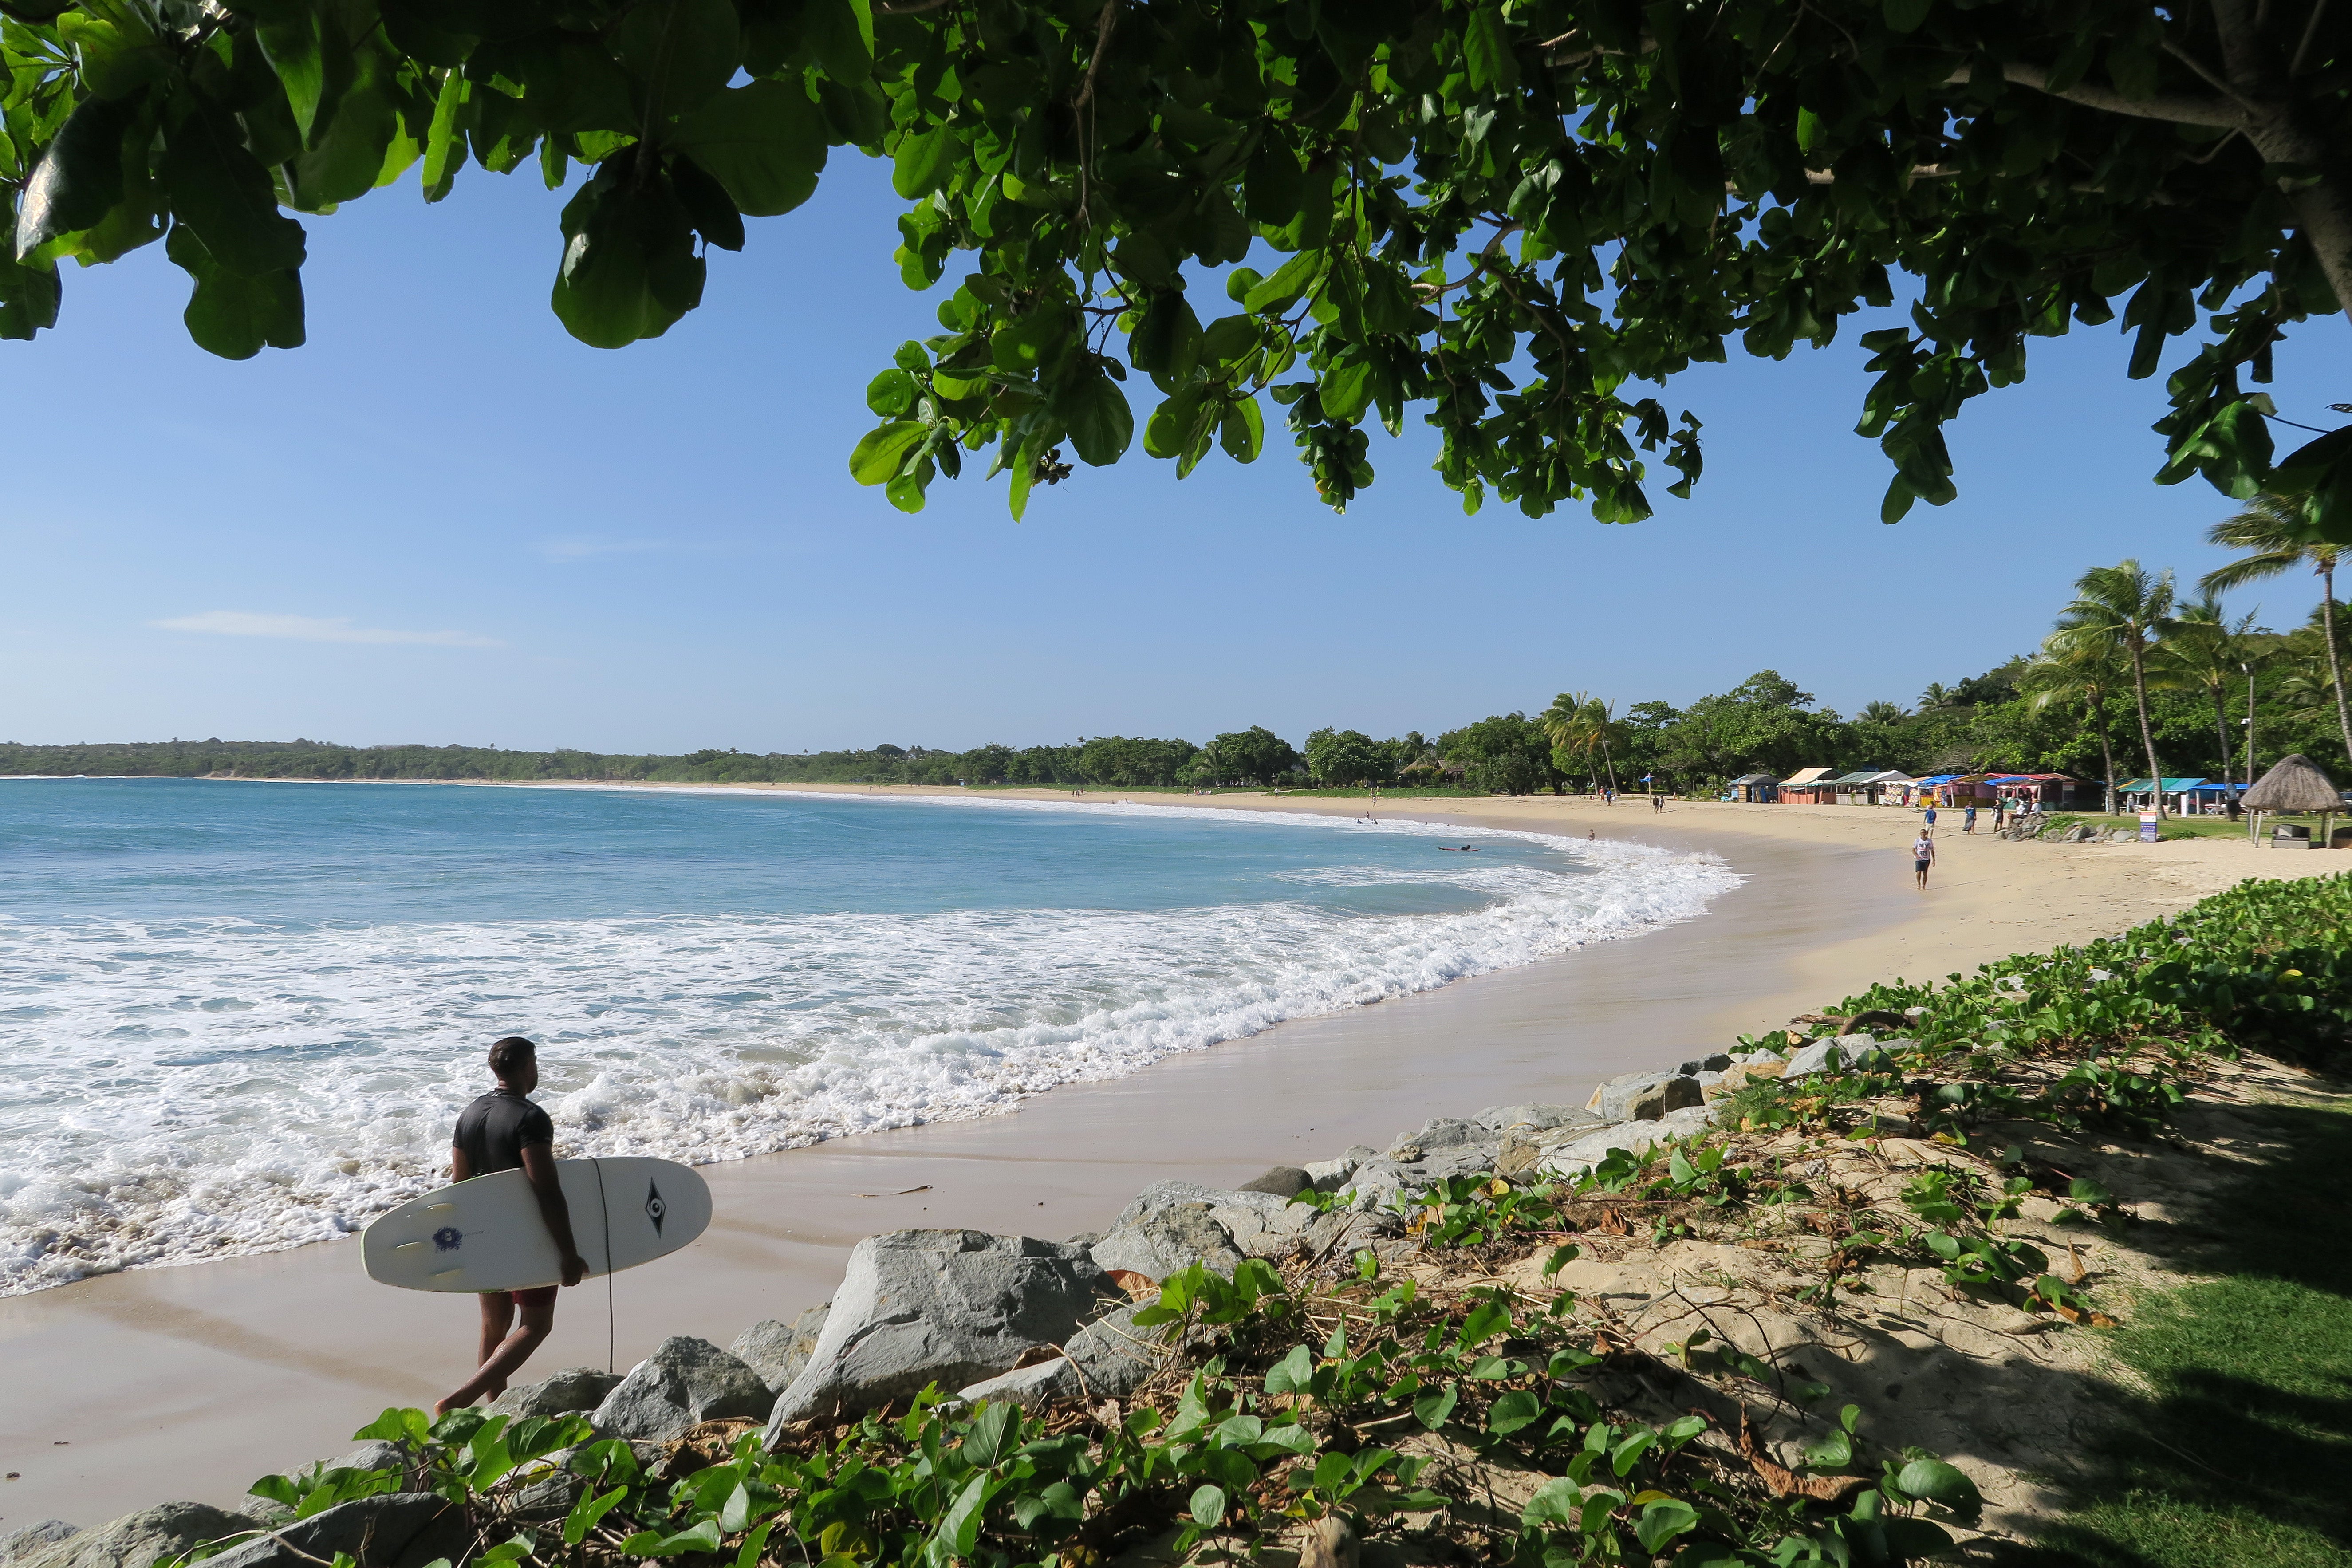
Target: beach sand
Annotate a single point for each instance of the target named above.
(190, 1382)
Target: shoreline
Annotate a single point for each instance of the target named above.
(277, 1357)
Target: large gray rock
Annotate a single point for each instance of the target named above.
(34, 1538)
(575, 1390)
(1540, 1116)
(1168, 1240)
(1261, 1225)
(1578, 1155)
(1644, 1096)
(683, 1381)
(951, 1307)
(375, 1454)
(138, 1540)
(1330, 1175)
(1720, 1061)
(1285, 1182)
(777, 1351)
(375, 1531)
(1854, 1050)
(1438, 1133)
(1108, 1358)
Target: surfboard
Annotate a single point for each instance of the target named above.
(486, 1234)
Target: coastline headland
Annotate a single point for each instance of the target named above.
(190, 1382)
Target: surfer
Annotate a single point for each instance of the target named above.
(503, 1130)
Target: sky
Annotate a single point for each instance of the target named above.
(443, 521)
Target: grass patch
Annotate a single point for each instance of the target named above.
(2242, 1453)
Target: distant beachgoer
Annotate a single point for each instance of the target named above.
(1923, 855)
(503, 1130)
(1657, 803)
(1968, 820)
(1931, 817)
(1593, 833)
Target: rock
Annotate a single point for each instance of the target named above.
(1330, 1175)
(138, 1540)
(1719, 1062)
(551, 1496)
(1519, 1154)
(1725, 1083)
(951, 1307)
(1614, 1099)
(1854, 1050)
(778, 1351)
(385, 1530)
(1579, 1155)
(1655, 1099)
(683, 1381)
(1168, 1240)
(34, 1538)
(1109, 1359)
(576, 1390)
(1261, 1225)
(1440, 1132)
(1285, 1182)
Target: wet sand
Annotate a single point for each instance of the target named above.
(190, 1382)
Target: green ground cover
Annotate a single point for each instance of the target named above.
(2240, 1450)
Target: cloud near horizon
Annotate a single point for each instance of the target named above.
(313, 628)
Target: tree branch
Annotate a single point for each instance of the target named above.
(2177, 110)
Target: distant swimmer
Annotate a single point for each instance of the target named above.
(503, 1130)
(1464, 849)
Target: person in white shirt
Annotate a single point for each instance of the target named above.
(1923, 855)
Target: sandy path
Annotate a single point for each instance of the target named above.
(190, 1381)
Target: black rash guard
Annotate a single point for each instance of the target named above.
(496, 1129)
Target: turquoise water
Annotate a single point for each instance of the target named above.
(241, 1016)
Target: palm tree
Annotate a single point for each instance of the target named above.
(1577, 723)
(2201, 652)
(2063, 676)
(2123, 608)
(2278, 535)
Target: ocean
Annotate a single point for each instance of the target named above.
(237, 1016)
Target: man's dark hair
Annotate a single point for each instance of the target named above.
(511, 1053)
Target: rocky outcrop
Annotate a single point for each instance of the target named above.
(1645, 1096)
(1108, 1358)
(140, 1539)
(575, 1389)
(951, 1307)
(34, 1538)
(396, 1531)
(1166, 1240)
(1854, 1050)
(684, 1381)
(777, 1351)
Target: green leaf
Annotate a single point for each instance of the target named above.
(1292, 1373)
(445, 141)
(1557, 1502)
(1241, 431)
(80, 179)
(892, 393)
(1832, 1452)
(587, 1512)
(1514, 1410)
(993, 1431)
(119, 53)
(883, 452)
(840, 35)
(1100, 423)
(924, 161)
(1290, 280)
(218, 190)
(1024, 474)
(1208, 1506)
(346, 160)
(1433, 1408)
(233, 314)
(1488, 1317)
(678, 52)
(1486, 51)
(1904, 15)
(765, 143)
(703, 1537)
(1937, 1482)
(1662, 1521)
(708, 206)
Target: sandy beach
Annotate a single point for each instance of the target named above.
(190, 1381)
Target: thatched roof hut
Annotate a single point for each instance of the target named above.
(2294, 785)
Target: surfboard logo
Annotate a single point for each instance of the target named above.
(655, 1209)
(448, 1238)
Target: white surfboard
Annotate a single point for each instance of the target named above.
(486, 1234)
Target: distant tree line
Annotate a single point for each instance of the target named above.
(2134, 676)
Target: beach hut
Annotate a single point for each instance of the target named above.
(1854, 788)
(1809, 786)
(2183, 796)
(1755, 788)
(2293, 783)
(2025, 792)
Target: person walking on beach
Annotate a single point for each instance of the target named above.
(1968, 820)
(1931, 819)
(1923, 855)
(503, 1130)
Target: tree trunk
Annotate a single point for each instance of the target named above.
(2147, 734)
(1612, 762)
(2221, 724)
(2335, 660)
(2097, 705)
(2263, 79)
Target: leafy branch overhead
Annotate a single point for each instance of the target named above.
(1492, 216)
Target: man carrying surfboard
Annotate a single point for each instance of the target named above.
(503, 1130)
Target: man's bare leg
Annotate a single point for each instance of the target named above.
(498, 1317)
(490, 1379)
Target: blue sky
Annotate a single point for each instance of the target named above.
(445, 520)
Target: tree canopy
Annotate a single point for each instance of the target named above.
(1494, 215)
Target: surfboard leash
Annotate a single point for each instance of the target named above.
(605, 1210)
